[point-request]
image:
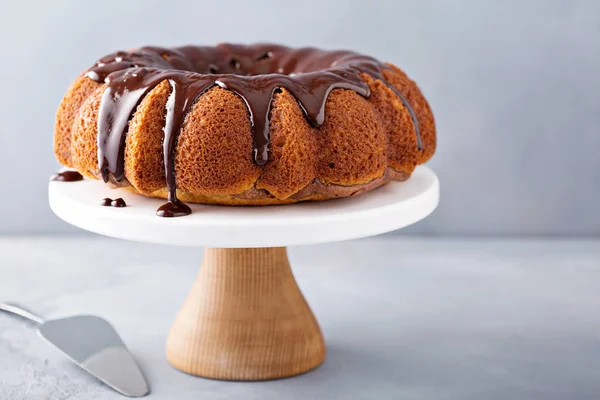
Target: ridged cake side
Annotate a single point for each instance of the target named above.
(363, 143)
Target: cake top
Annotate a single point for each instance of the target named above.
(254, 72)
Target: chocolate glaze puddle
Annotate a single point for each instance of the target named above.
(172, 209)
(255, 73)
(118, 203)
(67, 176)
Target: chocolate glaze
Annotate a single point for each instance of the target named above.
(108, 202)
(255, 73)
(172, 209)
(119, 203)
(67, 176)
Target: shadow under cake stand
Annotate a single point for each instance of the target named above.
(245, 317)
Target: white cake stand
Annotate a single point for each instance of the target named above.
(245, 318)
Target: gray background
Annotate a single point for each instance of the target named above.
(514, 87)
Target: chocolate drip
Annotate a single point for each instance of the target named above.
(255, 73)
(118, 203)
(67, 176)
(173, 209)
(413, 116)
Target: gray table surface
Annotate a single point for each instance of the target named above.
(403, 318)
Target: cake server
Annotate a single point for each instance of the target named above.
(93, 344)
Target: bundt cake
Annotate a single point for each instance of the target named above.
(243, 124)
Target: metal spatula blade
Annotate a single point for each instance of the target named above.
(93, 344)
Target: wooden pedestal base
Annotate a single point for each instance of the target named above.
(245, 319)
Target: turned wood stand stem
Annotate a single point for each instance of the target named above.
(245, 319)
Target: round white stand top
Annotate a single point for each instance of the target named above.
(385, 209)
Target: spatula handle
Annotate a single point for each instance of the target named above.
(21, 313)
